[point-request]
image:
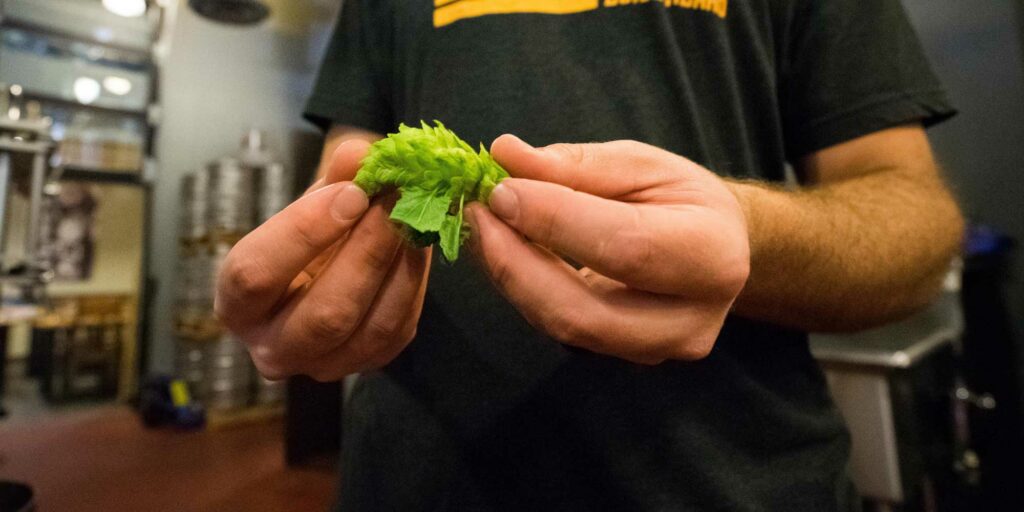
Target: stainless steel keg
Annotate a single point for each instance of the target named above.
(195, 189)
(275, 190)
(231, 207)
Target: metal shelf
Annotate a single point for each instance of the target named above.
(85, 22)
(136, 50)
(21, 146)
(144, 56)
(72, 173)
(37, 126)
(143, 114)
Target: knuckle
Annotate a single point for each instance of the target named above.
(330, 323)
(304, 230)
(385, 328)
(268, 366)
(645, 155)
(574, 154)
(377, 257)
(569, 326)
(551, 221)
(245, 277)
(628, 251)
(696, 348)
(501, 271)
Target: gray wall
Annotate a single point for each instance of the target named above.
(217, 82)
(976, 49)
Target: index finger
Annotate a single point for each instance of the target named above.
(614, 170)
(659, 250)
(260, 268)
(611, 237)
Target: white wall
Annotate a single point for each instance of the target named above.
(218, 81)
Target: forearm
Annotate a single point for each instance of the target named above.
(847, 255)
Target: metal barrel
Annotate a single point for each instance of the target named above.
(195, 191)
(194, 293)
(189, 361)
(231, 208)
(275, 190)
(229, 373)
(219, 372)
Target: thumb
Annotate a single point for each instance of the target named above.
(608, 169)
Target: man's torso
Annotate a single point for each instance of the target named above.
(484, 413)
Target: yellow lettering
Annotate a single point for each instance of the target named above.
(447, 12)
(723, 8)
(455, 11)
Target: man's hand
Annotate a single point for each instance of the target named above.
(663, 244)
(866, 240)
(327, 287)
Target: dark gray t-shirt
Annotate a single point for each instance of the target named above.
(482, 412)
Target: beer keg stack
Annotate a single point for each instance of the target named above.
(221, 203)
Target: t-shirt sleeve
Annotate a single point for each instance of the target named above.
(850, 68)
(353, 86)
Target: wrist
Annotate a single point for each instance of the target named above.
(744, 193)
(764, 208)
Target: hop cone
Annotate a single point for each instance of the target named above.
(436, 173)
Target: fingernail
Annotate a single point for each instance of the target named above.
(520, 142)
(504, 203)
(515, 141)
(349, 203)
(341, 147)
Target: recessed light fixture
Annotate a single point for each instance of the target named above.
(87, 90)
(116, 85)
(126, 8)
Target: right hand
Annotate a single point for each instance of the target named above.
(327, 287)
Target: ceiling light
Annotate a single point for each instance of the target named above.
(87, 90)
(126, 8)
(116, 85)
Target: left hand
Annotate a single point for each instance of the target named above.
(663, 244)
